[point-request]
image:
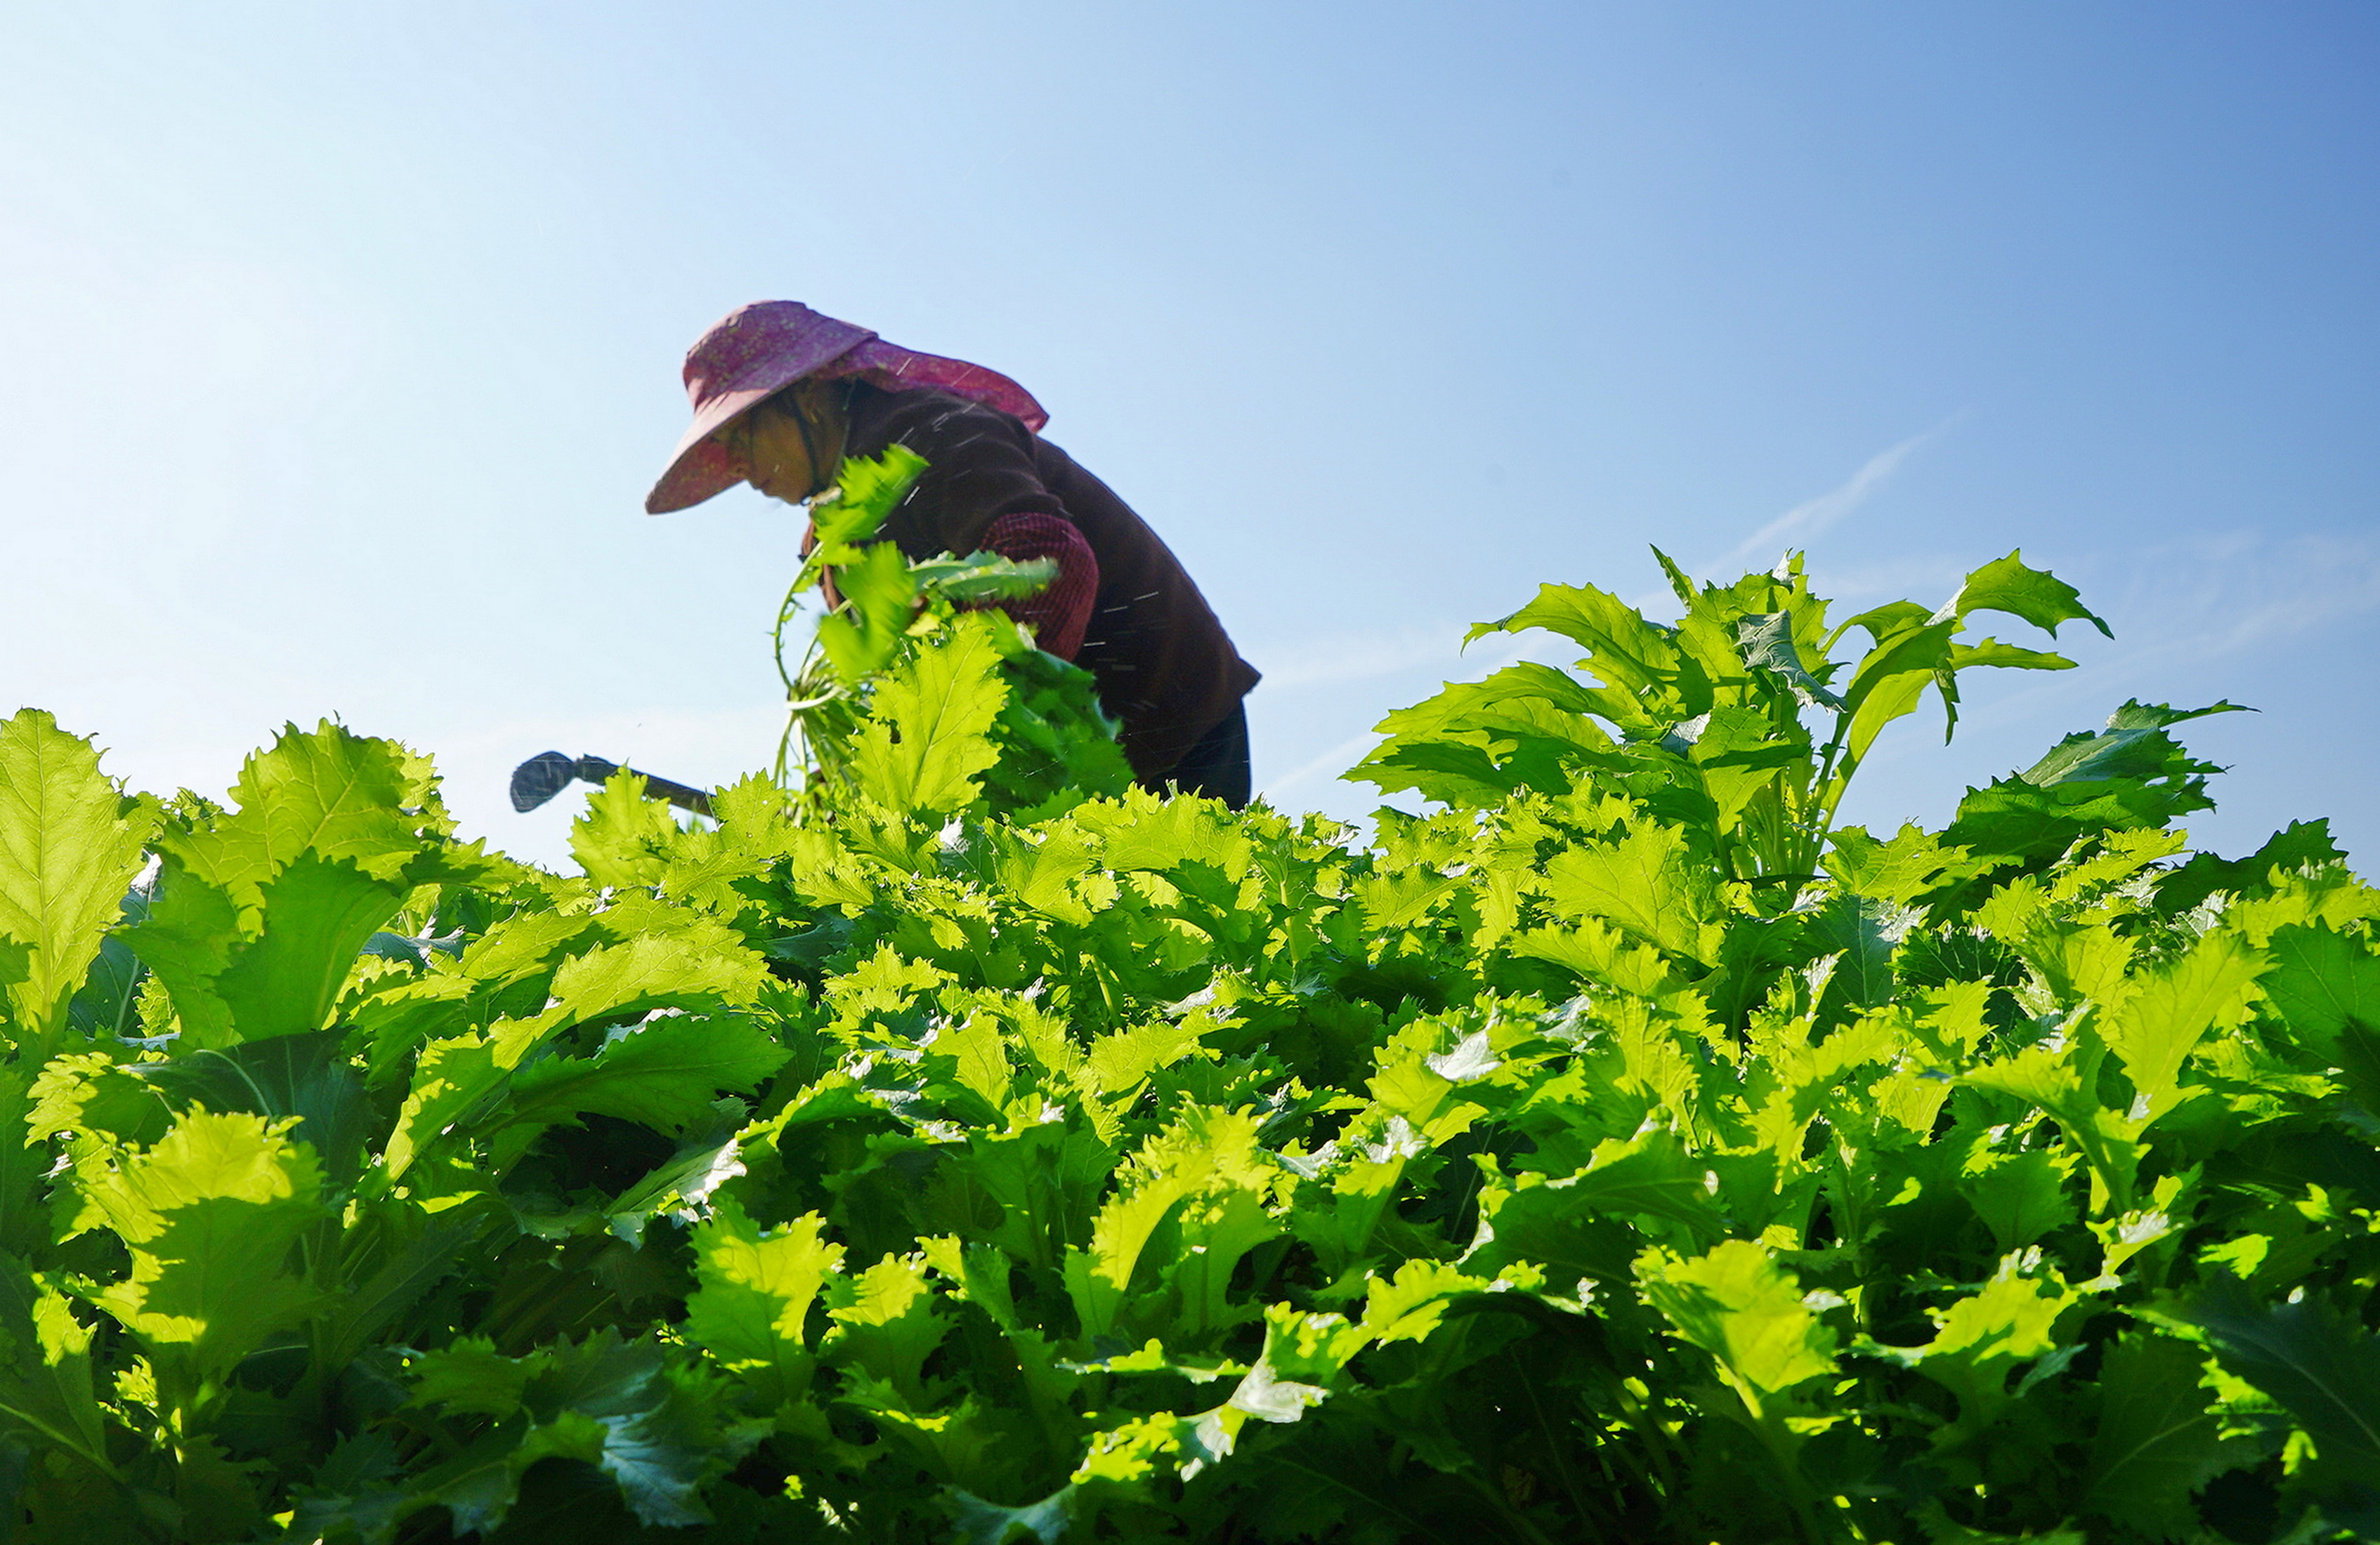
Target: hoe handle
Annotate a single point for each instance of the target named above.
(594, 769)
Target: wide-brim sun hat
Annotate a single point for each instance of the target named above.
(759, 350)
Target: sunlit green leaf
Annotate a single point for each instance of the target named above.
(70, 845)
(926, 746)
(209, 1214)
(2006, 584)
(1736, 1304)
(755, 1293)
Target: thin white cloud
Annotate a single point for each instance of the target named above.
(1325, 768)
(2252, 591)
(1814, 518)
(1332, 660)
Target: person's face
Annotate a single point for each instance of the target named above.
(776, 461)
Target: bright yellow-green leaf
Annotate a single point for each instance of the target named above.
(927, 737)
(754, 1293)
(1644, 884)
(2166, 1015)
(70, 846)
(1736, 1304)
(210, 1215)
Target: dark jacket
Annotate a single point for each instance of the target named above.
(1164, 663)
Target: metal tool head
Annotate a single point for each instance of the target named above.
(540, 778)
(549, 772)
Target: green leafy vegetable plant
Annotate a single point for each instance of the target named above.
(1053, 742)
(1621, 1150)
(1727, 725)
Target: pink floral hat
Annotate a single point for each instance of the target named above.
(763, 348)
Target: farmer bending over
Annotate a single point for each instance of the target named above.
(782, 394)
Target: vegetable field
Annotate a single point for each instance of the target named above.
(955, 1151)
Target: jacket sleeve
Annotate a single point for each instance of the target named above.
(1058, 614)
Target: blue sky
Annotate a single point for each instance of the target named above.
(339, 344)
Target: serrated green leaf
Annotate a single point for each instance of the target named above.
(2051, 1076)
(1889, 679)
(984, 578)
(2160, 1437)
(24, 1164)
(1143, 832)
(1460, 705)
(91, 1093)
(2006, 584)
(1402, 900)
(317, 914)
(308, 1077)
(105, 1003)
(1739, 754)
(2170, 1010)
(2134, 745)
(660, 1430)
(755, 1293)
(70, 845)
(1119, 1062)
(190, 937)
(1736, 1304)
(664, 1074)
(1681, 584)
(880, 601)
(1567, 1224)
(663, 1453)
(2324, 1370)
(886, 1321)
(1644, 884)
(2326, 987)
(351, 1491)
(1896, 872)
(2292, 847)
(1038, 869)
(1884, 622)
(925, 743)
(451, 1077)
(49, 1393)
(620, 838)
(1862, 933)
(866, 490)
(686, 1183)
(1980, 1339)
(695, 964)
(1625, 650)
(1992, 652)
(1451, 772)
(326, 791)
(1765, 643)
(982, 1523)
(469, 1376)
(2020, 1196)
(478, 1486)
(209, 1214)
(1206, 1157)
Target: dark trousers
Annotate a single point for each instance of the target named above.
(1217, 767)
